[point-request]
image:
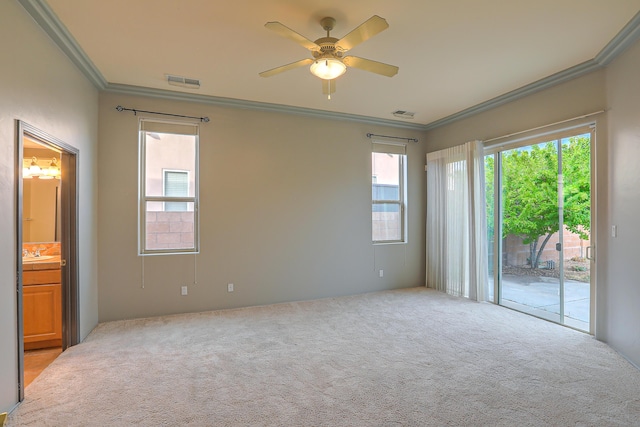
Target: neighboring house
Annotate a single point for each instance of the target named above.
(284, 211)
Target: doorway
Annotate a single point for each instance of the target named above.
(539, 202)
(47, 270)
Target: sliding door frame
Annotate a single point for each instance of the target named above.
(552, 133)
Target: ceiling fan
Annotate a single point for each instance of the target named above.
(329, 62)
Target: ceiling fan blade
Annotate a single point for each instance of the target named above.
(287, 32)
(287, 67)
(365, 31)
(369, 65)
(328, 86)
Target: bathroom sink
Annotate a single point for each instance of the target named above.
(31, 258)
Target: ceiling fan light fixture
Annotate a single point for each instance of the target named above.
(328, 68)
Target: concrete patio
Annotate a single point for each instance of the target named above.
(540, 296)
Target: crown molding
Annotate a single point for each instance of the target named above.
(625, 38)
(552, 80)
(49, 22)
(254, 105)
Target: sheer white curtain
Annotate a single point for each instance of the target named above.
(456, 221)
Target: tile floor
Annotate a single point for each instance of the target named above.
(35, 361)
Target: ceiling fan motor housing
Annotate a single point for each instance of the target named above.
(327, 48)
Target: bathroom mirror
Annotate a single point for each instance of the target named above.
(41, 197)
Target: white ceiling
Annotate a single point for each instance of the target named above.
(452, 55)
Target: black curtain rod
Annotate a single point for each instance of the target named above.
(369, 135)
(135, 113)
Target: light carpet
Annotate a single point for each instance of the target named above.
(412, 357)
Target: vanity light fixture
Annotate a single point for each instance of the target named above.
(34, 169)
(53, 171)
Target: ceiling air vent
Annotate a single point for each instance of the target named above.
(404, 114)
(183, 82)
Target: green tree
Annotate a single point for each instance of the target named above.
(489, 163)
(489, 167)
(530, 189)
(576, 169)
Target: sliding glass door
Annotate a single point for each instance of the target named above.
(539, 217)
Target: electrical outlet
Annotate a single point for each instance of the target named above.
(184, 290)
(381, 273)
(230, 287)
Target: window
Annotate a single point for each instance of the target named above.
(168, 210)
(176, 184)
(388, 188)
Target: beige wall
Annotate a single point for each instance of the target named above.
(579, 96)
(40, 86)
(621, 302)
(285, 213)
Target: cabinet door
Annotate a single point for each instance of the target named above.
(42, 313)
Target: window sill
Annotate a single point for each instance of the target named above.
(388, 243)
(168, 253)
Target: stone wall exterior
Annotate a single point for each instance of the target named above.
(517, 254)
(170, 230)
(386, 226)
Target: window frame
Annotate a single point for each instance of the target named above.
(143, 199)
(400, 150)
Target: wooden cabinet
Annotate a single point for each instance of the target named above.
(42, 309)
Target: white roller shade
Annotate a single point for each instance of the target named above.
(389, 148)
(165, 127)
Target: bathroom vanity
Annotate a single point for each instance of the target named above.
(42, 302)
